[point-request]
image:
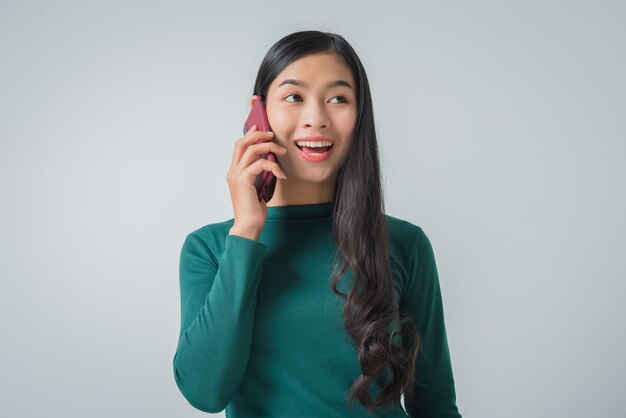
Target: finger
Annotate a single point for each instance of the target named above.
(239, 143)
(253, 136)
(263, 165)
(253, 152)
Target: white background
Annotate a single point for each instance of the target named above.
(502, 133)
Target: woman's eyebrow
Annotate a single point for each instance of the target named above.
(303, 84)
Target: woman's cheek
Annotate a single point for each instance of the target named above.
(283, 118)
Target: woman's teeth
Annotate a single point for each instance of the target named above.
(315, 150)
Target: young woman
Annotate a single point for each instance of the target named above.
(266, 330)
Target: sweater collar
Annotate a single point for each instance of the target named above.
(309, 212)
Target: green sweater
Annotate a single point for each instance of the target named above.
(262, 334)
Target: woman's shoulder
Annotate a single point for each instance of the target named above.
(405, 241)
(403, 232)
(409, 247)
(211, 236)
(216, 229)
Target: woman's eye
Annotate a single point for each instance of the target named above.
(297, 95)
(292, 95)
(344, 99)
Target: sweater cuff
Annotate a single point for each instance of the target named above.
(246, 244)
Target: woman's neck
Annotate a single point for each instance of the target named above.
(289, 193)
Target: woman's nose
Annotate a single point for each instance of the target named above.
(315, 115)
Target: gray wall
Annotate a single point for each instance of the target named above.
(502, 132)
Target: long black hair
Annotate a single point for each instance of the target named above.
(360, 232)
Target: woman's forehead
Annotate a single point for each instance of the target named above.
(315, 71)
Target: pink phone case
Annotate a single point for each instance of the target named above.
(265, 182)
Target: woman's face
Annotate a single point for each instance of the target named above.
(310, 105)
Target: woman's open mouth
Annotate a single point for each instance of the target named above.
(315, 154)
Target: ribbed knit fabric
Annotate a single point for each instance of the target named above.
(262, 333)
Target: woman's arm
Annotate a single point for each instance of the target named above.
(434, 391)
(218, 299)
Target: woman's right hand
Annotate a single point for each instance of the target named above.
(250, 213)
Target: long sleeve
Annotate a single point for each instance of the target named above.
(434, 389)
(218, 300)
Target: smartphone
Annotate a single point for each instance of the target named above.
(265, 182)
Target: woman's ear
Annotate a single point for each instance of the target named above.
(252, 100)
